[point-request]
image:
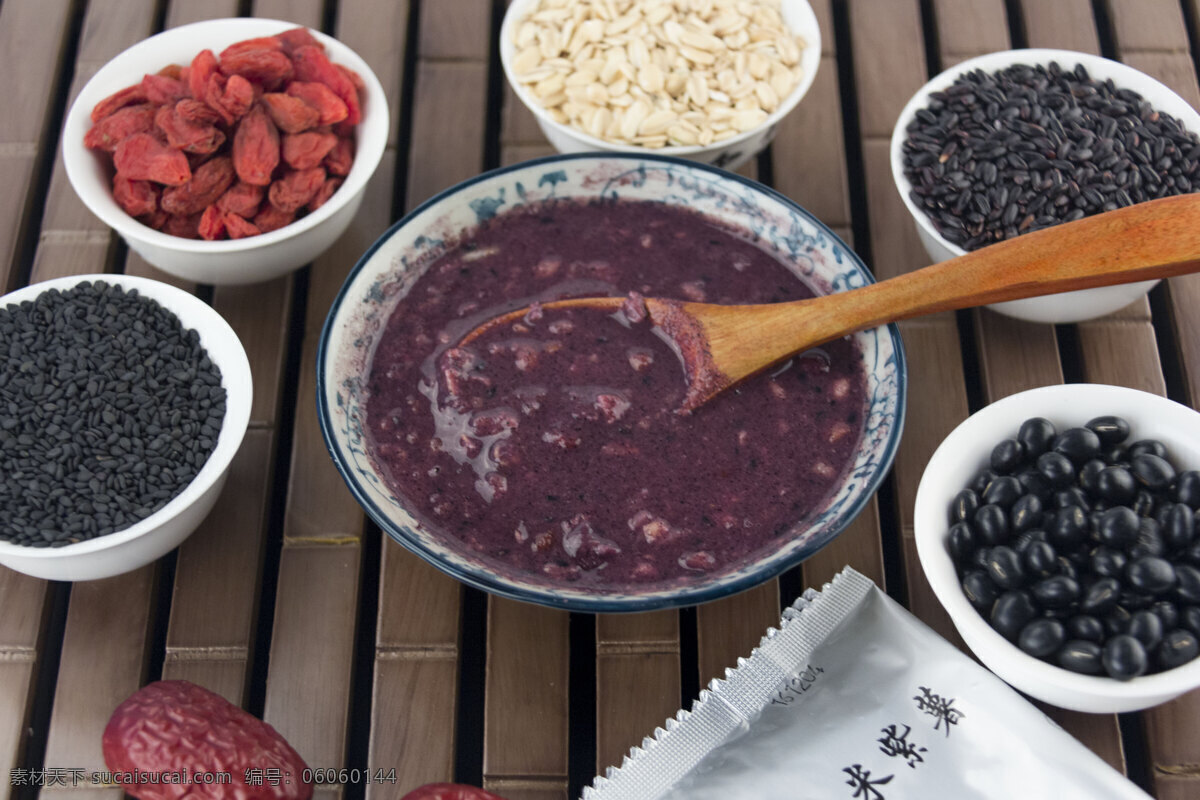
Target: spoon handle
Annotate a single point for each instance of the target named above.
(1151, 240)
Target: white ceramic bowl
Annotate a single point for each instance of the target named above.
(967, 450)
(236, 261)
(729, 154)
(165, 529)
(1067, 306)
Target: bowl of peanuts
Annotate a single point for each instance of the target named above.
(706, 80)
(229, 151)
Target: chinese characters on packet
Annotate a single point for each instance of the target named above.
(895, 743)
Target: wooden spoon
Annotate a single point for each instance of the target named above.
(722, 345)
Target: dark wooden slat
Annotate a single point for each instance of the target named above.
(322, 524)
(17, 677)
(32, 37)
(637, 680)
(968, 28)
(525, 717)
(729, 628)
(414, 698)
(103, 662)
(447, 126)
(456, 30)
(1148, 25)
(889, 62)
(72, 240)
(1065, 24)
(260, 315)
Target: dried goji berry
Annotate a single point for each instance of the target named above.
(141, 157)
(312, 65)
(126, 97)
(271, 68)
(341, 157)
(163, 91)
(212, 223)
(321, 97)
(157, 220)
(179, 728)
(190, 137)
(256, 147)
(241, 199)
(138, 198)
(196, 111)
(297, 37)
(247, 45)
(231, 97)
(207, 184)
(185, 227)
(324, 193)
(204, 65)
(290, 114)
(121, 124)
(355, 79)
(271, 218)
(238, 228)
(296, 188)
(173, 71)
(307, 150)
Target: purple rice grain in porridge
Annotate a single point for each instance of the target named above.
(552, 445)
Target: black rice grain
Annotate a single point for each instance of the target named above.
(108, 409)
(1003, 143)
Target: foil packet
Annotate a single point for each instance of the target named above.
(854, 697)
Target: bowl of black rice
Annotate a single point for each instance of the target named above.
(122, 403)
(1012, 142)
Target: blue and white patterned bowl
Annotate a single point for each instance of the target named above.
(390, 267)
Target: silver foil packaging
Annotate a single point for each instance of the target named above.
(853, 697)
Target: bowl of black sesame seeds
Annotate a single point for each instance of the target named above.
(1016, 141)
(1058, 528)
(122, 403)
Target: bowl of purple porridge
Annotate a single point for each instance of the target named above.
(545, 461)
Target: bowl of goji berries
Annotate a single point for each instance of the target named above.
(229, 151)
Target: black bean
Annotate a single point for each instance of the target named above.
(1188, 588)
(1124, 657)
(1108, 562)
(1067, 529)
(1036, 433)
(1189, 619)
(1004, 568)
(1010, 613)
(961, 541)
(1150, 574)
(1026, 513)
(1057, 592)
(1003, 491)
(1152, 471)
(980, 591)
(1056, 468)
(1187, 489)
(1177, 648)
(1039, 560)
(1147, 628)
(1117, 620)
(1089, 476)
(1078, 444)
(991, 525)
(966, 503)
(1072, 496)
(1100, 596)
(1111, 430)
(1116, 485)
(1082, 656)
(1034, 484)
(1006, 456)
(1042, 637)
(1117, 527)
(1086, 627)
(1151, 446)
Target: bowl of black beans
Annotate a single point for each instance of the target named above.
(1058, 528)
(122, 403)
(1012, 142)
